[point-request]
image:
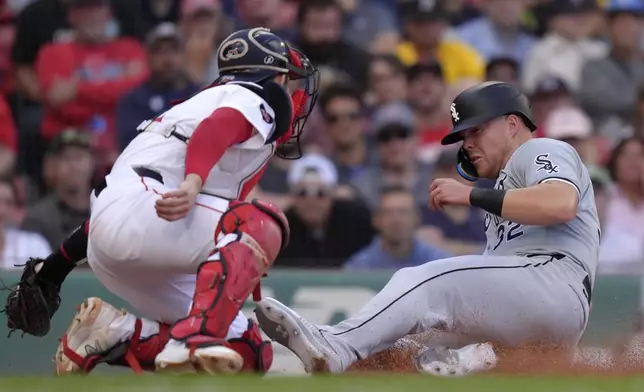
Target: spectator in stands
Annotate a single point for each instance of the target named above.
(156, 12)
(83, 79)
(16, 6)
(324, 231)
(16, 245)
(370, 25)
(567, 45)
(427, 89)
(638, 125)
(458, 230)
(68, 206)
(168, 82)
(461, 11)
(550, 93)
(396, 219)
(320, 37)
(571, 125)
(45, 21)
(387, 81)
(625, 206)
(502, 69)
(8, 140)
(499, 31)
(277, 15)
(620, 251)
(609, 86)
(398, 165)
(203, 27)
(7, 36)
(344, 116)
(425, 23)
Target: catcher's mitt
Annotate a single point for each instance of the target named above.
(32, 302)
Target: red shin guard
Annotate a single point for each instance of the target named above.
(230, 275)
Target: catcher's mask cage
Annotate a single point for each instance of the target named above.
(257, 55)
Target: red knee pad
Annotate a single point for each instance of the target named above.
(261, 220)
(257, 353)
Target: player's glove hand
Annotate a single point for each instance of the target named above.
(32, 302)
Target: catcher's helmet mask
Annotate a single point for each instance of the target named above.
(479, 105)
(257, 55)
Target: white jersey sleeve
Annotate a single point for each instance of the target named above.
(254, 108)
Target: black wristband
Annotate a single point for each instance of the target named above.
(490, 200)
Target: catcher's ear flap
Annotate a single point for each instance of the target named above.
(278, 98)
(465, 167)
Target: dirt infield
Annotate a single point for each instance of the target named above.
(624, 360)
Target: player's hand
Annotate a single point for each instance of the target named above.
(176, 205)
(448, 191)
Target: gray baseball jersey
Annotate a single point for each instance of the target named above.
(533, 285)
(535, 162)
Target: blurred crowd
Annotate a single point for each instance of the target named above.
(78, 76)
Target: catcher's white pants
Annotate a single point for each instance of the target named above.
(150, 262)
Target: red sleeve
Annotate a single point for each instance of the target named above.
(56, 62)
(7, 127)
(223, 128)
(108, 93)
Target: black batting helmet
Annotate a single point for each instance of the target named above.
(479, 104)
(484, 102)
(257, 55)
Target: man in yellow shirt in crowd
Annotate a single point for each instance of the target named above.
(425, 24)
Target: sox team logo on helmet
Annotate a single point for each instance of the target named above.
(454, 112)
(485, 102)
(478, 105)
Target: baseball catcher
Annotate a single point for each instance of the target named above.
(170, 231)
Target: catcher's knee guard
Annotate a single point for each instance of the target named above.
(257, 353)
(251, 236)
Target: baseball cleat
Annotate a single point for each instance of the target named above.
(177, 357)
(304, 339)
(441, 361)
(88, 337)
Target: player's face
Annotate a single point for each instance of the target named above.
(488, 146)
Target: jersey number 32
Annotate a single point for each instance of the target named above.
(504, 231)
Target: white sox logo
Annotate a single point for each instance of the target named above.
(455, 115)
(545, 164)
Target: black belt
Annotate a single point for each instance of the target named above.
(141, 171)
(148, 173)
(176, 134)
